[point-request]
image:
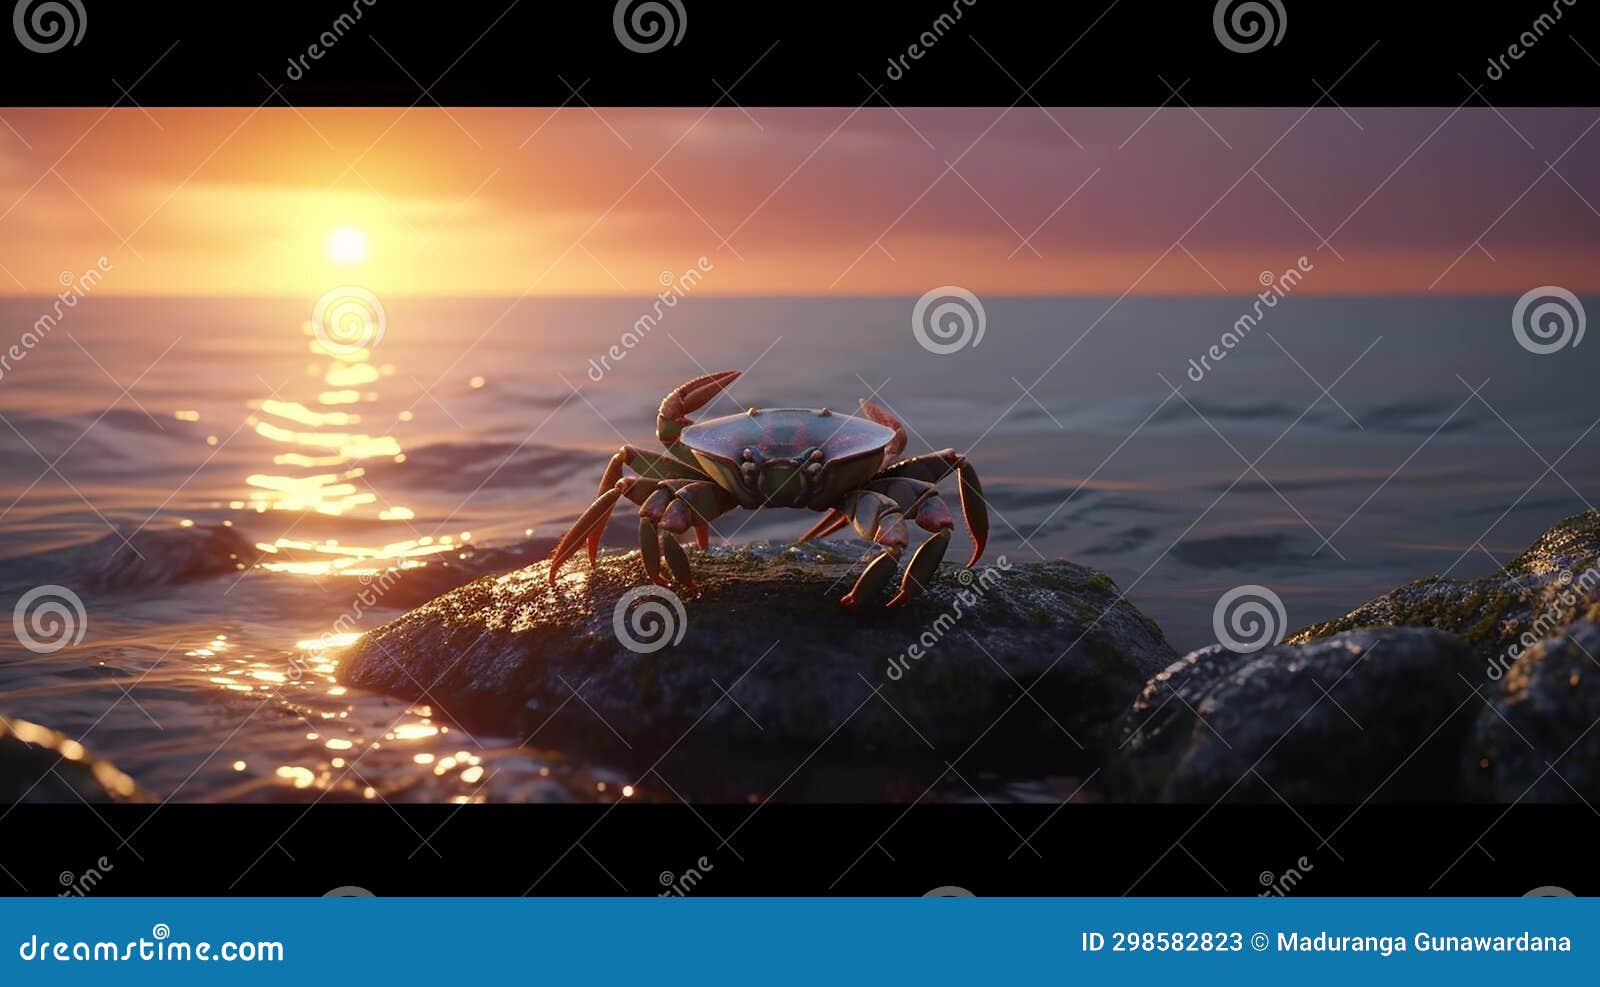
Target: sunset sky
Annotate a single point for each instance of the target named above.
(784, 201)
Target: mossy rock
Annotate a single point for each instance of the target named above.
(1037, 659)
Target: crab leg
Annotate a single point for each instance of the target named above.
(876, 517)
(650, 536)
(919, 500)
(877, 575)
(674, 508)
(647, 465)
(935, 467)
(832, 521)
(690, 396)
(922, 567)
(592, 523)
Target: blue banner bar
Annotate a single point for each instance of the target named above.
(721, 940)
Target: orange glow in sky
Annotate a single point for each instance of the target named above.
(279, 200)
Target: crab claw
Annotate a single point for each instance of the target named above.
(883, 416)
(974, 509)
(920, 570)
(592, 520)
(690, 396)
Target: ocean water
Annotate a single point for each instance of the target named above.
(1343, 446)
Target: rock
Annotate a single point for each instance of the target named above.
(1536, 594)
(1258, 727)
(157, 557)
(438, 574)
(1545, 714)
(1500, 675)
(38, 764)
(509, 653)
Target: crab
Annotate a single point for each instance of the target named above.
(845, 467)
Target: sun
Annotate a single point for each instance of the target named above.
(347, 245)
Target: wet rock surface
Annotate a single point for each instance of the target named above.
(1482, 689)
(1536, 594)
(1323, 722)
(38, 764)
(1030, 664)
(1540, 739)
(151, 557)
